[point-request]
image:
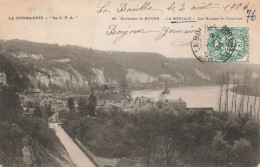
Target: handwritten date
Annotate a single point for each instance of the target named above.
(172, 7)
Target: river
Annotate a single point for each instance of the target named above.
(200, 96)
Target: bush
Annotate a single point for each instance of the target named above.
(199, 138)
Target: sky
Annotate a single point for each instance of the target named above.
(89, 28)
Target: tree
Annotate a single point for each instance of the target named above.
(30, 104)
(71, 104)
(258, 108)
(227, 83)
(49, 112)
(105, 87)
(221, 82)
(247, 104)
(91, 107)
(82, 106)
(160, 104)
(220, 149)
(46, 111)
(242, 150)
(236, 89)
(246, 82)
(9, 104)
(233, 95)
(256, 87)
(37, 112)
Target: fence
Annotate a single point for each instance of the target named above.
(90, 155)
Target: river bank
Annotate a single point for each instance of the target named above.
(200, 96)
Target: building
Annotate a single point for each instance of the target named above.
(27, 101)
(174, 104)
(200, 109)
(34, 92)
(28, 111)
(58, 105)
(141, 101)
(55, 104)
(54, 117)
(2, 79)
(111, 89)
(113, 98)
(166, 102)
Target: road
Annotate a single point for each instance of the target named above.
(77, 156)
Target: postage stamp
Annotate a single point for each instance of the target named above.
(227, 44)
(221, 44)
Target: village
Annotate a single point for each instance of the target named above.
(113, 98)
(108, 98)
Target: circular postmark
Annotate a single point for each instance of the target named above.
(213, 44)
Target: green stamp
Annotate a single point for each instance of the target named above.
(226, 44)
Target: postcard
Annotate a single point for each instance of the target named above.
(129, 83)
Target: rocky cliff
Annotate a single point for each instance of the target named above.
(73, 66)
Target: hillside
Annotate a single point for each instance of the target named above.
(73, 66)
(25, 141)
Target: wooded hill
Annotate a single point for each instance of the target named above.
(115, 64)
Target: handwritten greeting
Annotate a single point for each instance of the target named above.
(171, 12)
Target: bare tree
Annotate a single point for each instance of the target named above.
(247, 104)
(233, 94)
(258, 108)
(250, 112)
(245, 83)
(227, 83)
(242, 100)
(256, 87)
(237, 87)
(254, 107)
(221, 81)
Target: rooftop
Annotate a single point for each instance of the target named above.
(175, 100)
(2, 74)
(109, 96)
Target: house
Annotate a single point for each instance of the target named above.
(54, 117)
(34, 92)
(201, 109)
(28, 101)
(58, 105)
(174, 104)
(113, 98)
(2, 79)
(28, 112)
(142, 101)
(111, 89)
(54, 104)
(118, 101)
(139, 104)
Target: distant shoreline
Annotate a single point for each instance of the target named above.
(171, 87)
(251, 93)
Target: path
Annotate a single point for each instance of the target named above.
(77, 156)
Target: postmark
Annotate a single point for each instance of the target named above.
(221, 44)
